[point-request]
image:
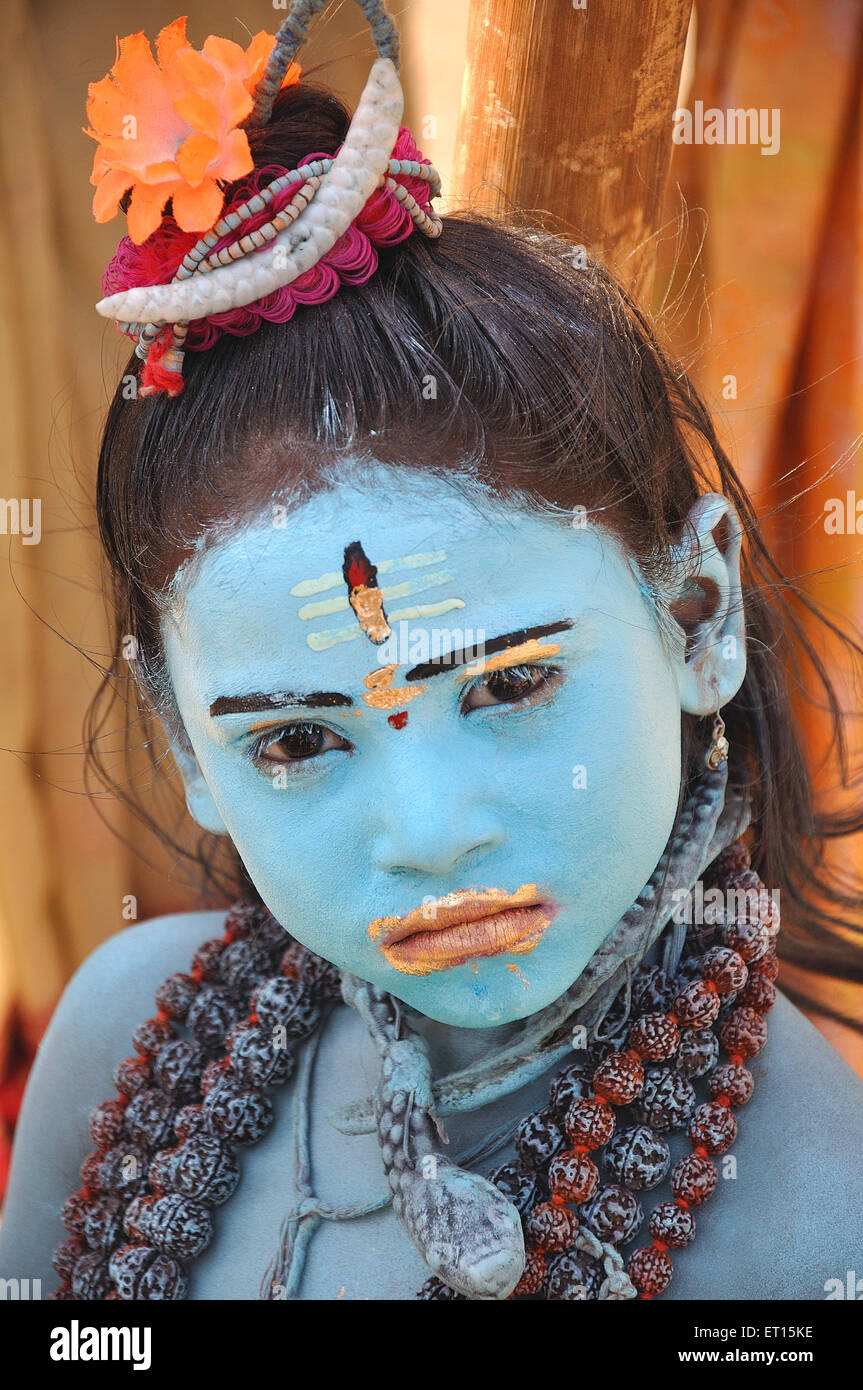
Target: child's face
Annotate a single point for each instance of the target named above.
(538, 778)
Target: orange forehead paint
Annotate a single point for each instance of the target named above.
(364, 596)
(381, 696)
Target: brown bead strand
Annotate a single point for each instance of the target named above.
(209, 1092)
(745, 957)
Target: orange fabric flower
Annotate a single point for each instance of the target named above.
(169, 128)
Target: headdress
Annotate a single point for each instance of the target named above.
(175, 129)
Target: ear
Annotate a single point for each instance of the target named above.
(199, 800)
(707, 603)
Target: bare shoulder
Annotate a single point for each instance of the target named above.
(91, 1030)
(788, 1213)
(162, 944)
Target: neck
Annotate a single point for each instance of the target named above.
(451, 1049)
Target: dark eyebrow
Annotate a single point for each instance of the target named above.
(279, 699)
(467, 655)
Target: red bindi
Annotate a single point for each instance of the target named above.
(399, 720)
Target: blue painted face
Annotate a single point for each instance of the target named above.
(522, 803)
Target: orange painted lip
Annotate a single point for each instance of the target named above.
(463, 926)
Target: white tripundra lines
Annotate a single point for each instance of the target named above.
(357, 170)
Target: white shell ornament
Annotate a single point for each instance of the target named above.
(357, 170)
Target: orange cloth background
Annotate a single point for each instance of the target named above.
(778, 310)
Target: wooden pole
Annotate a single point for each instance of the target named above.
(567, 114)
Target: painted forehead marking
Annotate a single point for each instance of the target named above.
(381, 692)
(325, 606)
(521, 638)
(364, 596)
(334, 578)
(329, 637)
(367, 597)
(532, 650)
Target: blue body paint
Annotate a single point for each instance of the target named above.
(453, 801)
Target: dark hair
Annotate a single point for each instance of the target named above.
(550, 381)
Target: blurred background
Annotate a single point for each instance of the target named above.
(748, 252)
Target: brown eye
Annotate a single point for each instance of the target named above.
(297, 743)
(513, 685)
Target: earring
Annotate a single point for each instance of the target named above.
(717, 753)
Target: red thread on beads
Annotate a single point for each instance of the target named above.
(700, 1150)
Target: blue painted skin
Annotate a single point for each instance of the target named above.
(452, 800)
(382, 819)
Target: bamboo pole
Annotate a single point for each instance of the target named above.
(567, 114)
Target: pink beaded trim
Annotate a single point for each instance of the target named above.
(264, 205)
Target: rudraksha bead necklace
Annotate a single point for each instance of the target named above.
(146, 1208)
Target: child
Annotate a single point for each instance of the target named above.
(471, 656)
